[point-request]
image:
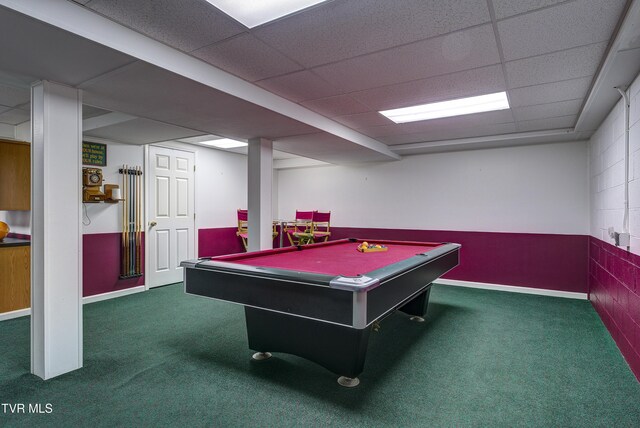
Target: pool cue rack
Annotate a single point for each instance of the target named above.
(131, 243)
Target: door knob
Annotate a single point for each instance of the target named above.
(152, 223)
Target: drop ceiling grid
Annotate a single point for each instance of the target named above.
(14, 116)
(328, 67)
(248, 58)
(11, 96)
(344, 29)
(589, 63)
(565, 26)
(349, 59)
(463, 50)
(184, 24)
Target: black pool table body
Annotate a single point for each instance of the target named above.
(315, 312)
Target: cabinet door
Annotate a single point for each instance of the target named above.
(15, 176)
(15, 282)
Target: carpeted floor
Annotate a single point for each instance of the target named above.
(484, 358)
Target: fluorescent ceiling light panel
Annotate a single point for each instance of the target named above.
(224, 143)
(256, 12)
(482, 103)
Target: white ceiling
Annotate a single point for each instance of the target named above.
(344, 59)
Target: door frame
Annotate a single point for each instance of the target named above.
(147, 185)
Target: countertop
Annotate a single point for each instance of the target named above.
(14, 242)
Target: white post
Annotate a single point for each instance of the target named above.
(260, 167)
(56, 229)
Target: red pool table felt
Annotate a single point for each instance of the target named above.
(332, 258)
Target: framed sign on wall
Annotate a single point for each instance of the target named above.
(94, 154)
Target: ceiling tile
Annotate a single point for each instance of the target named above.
(299, 86)
(336, 106)
(543, 111)
(61, 56)
(564, 65)
(550, 123)
(247, 57)
(4, 108)
(89, 111)
(506, 8)
(362, 120)
(12, 96)
(141, 131)
(550, 92)
(343, 29)
(468, 83)
(183, 24)
(562, 27)
(14, 116)
(458, 51)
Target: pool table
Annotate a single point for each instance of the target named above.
(320, 301)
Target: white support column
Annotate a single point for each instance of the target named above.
(260, 169)
(56, 235)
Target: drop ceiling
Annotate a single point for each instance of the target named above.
(342, 59)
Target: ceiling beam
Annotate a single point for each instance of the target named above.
(81, 21)
(521, 137)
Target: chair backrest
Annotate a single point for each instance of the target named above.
(304, 215)
(243, 220)
(321, 221)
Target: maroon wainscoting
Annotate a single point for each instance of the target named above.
(101, 264)
(222, 240)
(553, 262)
(614, 290)
(218, 241)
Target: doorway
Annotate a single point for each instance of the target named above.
(171, 213)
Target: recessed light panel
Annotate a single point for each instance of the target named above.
(459, 107)
(252, 13)
(224, 143)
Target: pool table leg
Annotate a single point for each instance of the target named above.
(417, 307)
(339, 349)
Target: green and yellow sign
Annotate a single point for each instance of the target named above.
(94, 154)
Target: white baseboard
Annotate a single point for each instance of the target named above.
(85, 300)
(113, 294)
(513, 289)
(15, 314)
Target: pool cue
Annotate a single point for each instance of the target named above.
(124, 207)
(139, 218)
(132, 191)
(125, 221)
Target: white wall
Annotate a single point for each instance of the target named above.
(607, 172)
(534, 189)
(221, 185)
(103, 217)
(18, 221)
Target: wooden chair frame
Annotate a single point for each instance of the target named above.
(243, 228)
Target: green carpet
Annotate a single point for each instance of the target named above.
(484, 358)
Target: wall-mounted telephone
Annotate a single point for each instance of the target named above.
(92, 185)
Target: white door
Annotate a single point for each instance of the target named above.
(171, 226)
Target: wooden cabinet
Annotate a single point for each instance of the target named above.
(15, 176)
(15, 278)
